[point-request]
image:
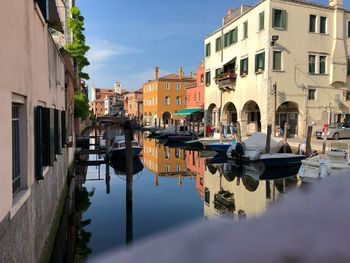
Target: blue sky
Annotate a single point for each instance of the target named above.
(129, 38)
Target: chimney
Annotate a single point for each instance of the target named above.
(181, 73)
(336, 3)
(156, 73)
(191, 75)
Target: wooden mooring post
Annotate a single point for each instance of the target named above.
(324, 144)
(285, 136)
(129, 169)
(308, 142)
(268, 139)
(239, 134)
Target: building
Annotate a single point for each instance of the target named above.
(164, 96)
(34, 153)
(279, 61)
(133, 104)
(195, 97)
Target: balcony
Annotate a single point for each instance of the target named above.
(226, 81)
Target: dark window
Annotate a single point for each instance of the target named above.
(348, 28)
(347, 96)
(277, 60)
(207, 78)
(208, 50)
(218, 46)
(16, 176)
(312, 25)
(312, 94)
(43, 5)
(312, 64)
(323, 63)
(261, 21)
(206, 195)
(260, 62)
(218, 72)
(323, 25)
(64, 128)
(245, 29)
(244, 67)
(279, 18)
(348, 67)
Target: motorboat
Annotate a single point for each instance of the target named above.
(118, 148)
(321, 166)
(215, 139)
(221, 147)
(281, 159)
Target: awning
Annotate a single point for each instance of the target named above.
(188, 111)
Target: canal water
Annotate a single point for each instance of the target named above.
(172, 186)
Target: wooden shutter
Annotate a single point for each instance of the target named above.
(38, 138)
(64, 128)
(284, 19)
(52, 136)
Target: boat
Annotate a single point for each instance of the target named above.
(221, 147)
(281, 159)
(180, 137)
(321, 166)
(215, 139)
(225, 198)
(117, 148)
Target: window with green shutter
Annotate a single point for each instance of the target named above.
(207, 78)
(348, 67)
(245, 29)
(244, 67)
(227, 39)
(218, 46)
(323, 63)
(279, 19)
(323, 25)
(38, 143)
(218, 72)
(312, 24)
(52, 136)
(208, 50)
(64, 128)
(261, 21)
(277, 60)
(312, 64)
(235, 35)
(259, 62)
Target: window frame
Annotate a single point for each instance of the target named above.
(261, 24)
(208, 50)
(259, 55)
(245, 29)
(319, 64)
(243, 73)
(315, 25)
(218, 44)
(208, 78)
(281, 60)
(315, 63)
(313, 92)
(284, 19)
(325, 26)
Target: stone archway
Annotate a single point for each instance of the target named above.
(166, 117)
(229, 113)
(213, 114)
(288, 112)
(251, 118)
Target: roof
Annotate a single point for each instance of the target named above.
(177, 77)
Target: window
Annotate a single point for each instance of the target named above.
(323, 61)
(311, 94)
(312, 64)
(206, 195)
(234, 33)
(178, 86)
(312, 24)
(323, 25)
(218, 72)
(167, 168)
(177, 153)
(202, 78)
(178, 168)
(167, 100)
(227, 39)
(178, 100)
(244, 67)
(167, 85)
(277, 60)
(260, 62)
(167, 153)
(279, 19)
(208, 50)
(195, 97)
(16, 176)
(245, 29)
(348, 28)
(207, 78)
(347, 96)
(218, 44)
(348, 67)
(261, 21)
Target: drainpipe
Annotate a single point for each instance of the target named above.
(268, 80)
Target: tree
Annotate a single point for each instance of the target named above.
(78, 49)
(81, 105)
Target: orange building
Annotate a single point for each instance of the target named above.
(164, 96)
(196, 165)
(133, 104)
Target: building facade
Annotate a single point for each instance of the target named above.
(164, 96)
(133, 104)
(33, 148)
(277, 62)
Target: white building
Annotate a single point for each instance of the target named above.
(297, 47)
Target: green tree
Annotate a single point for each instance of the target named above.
(78, 48)
(81, 105)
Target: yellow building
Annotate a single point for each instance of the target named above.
(164, 96)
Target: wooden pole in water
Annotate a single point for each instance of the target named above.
(198, 127)
(268, 139)
(308, 141)
(285, 137)
(108, 177)
(221, 132)
(129, 168)
(175, 127)
(156, 180)
(324, 145)
(239, 134)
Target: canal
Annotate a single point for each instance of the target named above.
(172, 186)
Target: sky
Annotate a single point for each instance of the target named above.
(128, 39)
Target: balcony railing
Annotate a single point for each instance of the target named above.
(226, 80)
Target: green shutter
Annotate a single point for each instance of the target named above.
(263, 60)
(45, 129)
(256, 62)
(273, 17)
(284, 19)
(52, 137)
(226, 40)
(64, 128)
(38, 143)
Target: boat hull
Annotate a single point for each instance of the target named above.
(220, 147)
(282, 161)
(115, 154)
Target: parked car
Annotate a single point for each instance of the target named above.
(336, 131)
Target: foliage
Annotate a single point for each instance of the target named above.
(81, 105)
(78, 49)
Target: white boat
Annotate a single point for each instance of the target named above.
(321, 166)
(118, 149)
(215, 139)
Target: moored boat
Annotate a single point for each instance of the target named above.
(118, 148)
(221, 147)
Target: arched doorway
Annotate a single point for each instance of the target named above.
(166, 117)
(229, 113)
(212, 114)
(251, 117)
(288, 112)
